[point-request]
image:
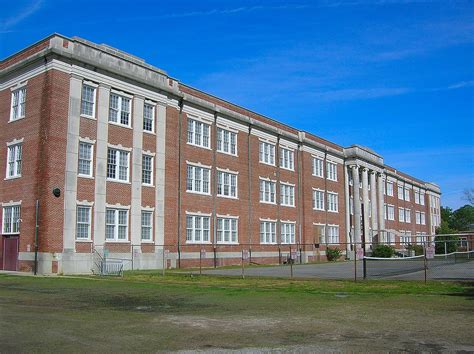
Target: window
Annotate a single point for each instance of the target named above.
(267, 232)
(318, 200)
(405, 237)
(226, 141)
(332, 202)
(116, 224)
(197, 180)
(11, 220)
(14, 160)
(198, 133)
(147, 170)
(117, 165)
(417, 217)
(18, 104)
(423, 218)
(267, 191)
(407, 194)
(119, 110)
(331, 169)
(84, 167)
(332, 234)
(267, 153)
(227, 230)
(197, 229)
(400, 192)
(148, 118)
(408, 215)
(390, 212)
(417, 197)
(287, 159)
(422, 198)
(88, 101)
(317, 167)
(401, 214)
(287, 195)
(83, 222)
(287, 233)
(390, 189)
(319, 233)
(147, 225)
(226, 184)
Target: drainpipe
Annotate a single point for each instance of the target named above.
(179, 179)
(249, 194)
(214, 187)
(36, 235)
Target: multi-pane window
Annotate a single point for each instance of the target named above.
(417, 217)
(116, 224)
(422, 198)
(390, 188)
(268, 232)
(332, 234)
(389, 212)
(14, 160)
(148, 117)
(147, 169)
(417, 196)
(227, 230)
(405, 237)
(198, 133)
(287, 159)
(226, 184)
(197, 179)
(197, 229)
(287, 194)
(18, 104)
(408, 215)
(331, 169)
(318, 200)
(83, 222)
(226, 141)
(400, 192)
(287, 233)
(84, 167)
(147, 225)
(11, 220)
(401, 214)
(423, 218)
(318, 167)
(119, 109)
(267, 153)
(267, 191)
(407, 194)
(117, 165)
(332, 202)
(88, 100)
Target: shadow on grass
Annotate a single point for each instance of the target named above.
(467, 292)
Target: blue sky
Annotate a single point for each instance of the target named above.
(397, 76)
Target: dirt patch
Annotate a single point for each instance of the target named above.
(229, 324)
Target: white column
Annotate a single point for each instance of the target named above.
(373, 201)
(381, 208)
(101, 164)
(356, 191)
(160, 174)
(347, 208)
(365, 200)
(72, 147)
(136, 203)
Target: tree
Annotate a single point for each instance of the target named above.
(469, 195)
(463, 218)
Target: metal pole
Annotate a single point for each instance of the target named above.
(445, 250)
(36, 235)
(164, 260)
(243, 266)
(291, 264)
(355, 262)
(200, 262)
(215, 257)
(424, 259)
(364, 262)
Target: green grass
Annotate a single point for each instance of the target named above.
(144, 312)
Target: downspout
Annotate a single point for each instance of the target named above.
(180, 104)
(249, 194)
(214, 189)
(277, 195)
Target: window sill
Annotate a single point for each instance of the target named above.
(287, 206)
(287, 169)
(147, 242)
(148, 132)
(12, 177)
(333, 211)
(269, 203)
(117, 241)
(227, 197)
(117, 181)
(227, 153)
(88, 117)
(16, 119)
(267, 163)
(84, 240)
(148, 185)
(85, 176)
(317, 176)
(120, 125)
(199, 146)
(227, 243)
(198, 193)
(198, 243)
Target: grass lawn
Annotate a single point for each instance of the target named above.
(144, 312)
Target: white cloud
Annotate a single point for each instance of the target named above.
(24, 13)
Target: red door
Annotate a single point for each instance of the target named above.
(10, 253)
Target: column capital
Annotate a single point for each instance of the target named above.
(365, 169)
(105, 86)
(354, 166)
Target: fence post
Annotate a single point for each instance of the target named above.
(291, 264)
(243, 266)
(445, 250)
(164, 260)
(355, 262)
(200, 261)
(424, 259)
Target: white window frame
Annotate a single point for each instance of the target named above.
(287, 194)
(198, 187)
(15, 151)
(90, 161)
(267, 191)
(268, 232)
(150, 171)
(422, 198)
(400, 192)
(287, 159)
(191, 232)
(390, 188)
(331, 171)
(318, 167)
(288, 233)
(319, 199)
(267, 153)
(14, 225)
(227, 230)
(333, 205)
(19, 103)
(88, 222)
(202, 139)
(423, 218)
(146, 227)
(153, 117)
(119, 110)
(226, 142)
(93, 103)
(229, 189)
(408, 216)
(417, 218)
(118, 153)
(117, 225)
(401, 214)
(332, 234)
(390, 212)
(407, 194)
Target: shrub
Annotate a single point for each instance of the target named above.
(418, 249)
(451, 243)
(332, 254)
(383, 251)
